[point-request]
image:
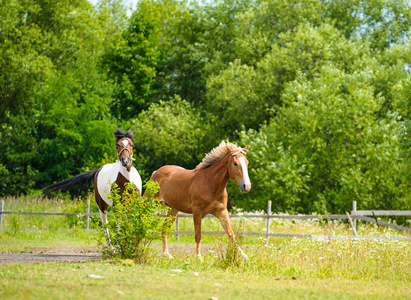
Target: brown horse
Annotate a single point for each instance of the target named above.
(120, 172)
(203, 190)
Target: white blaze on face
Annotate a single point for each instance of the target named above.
(125, 143)
(245, 171)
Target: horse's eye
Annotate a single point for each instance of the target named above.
(117, 145)
(235, 164)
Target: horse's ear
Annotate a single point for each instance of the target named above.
(129, 134)
(119, 134)
(246, 148)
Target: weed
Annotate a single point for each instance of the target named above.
(15, 224)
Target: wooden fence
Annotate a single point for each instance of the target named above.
(352, 218)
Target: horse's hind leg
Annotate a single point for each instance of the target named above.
(173, 212)
(102, 206)
(225, 222)
(103, 217)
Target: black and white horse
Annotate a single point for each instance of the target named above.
(120, 172)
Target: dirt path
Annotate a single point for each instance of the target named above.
(47, 255)
(74, 255)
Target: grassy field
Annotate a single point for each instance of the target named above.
(67, 281)
(354, 269)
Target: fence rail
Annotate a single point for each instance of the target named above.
(381, 212)
(352, 217)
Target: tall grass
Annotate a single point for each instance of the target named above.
(22, 232)
(47, 205)
(15, 222)
(349, 259)
(287, 226)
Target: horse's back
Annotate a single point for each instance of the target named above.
(167, 172)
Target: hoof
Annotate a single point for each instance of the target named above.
(199, 257)
(168, 255)
(110, 246)
(243, 255)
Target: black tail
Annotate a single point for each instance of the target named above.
(82, 181)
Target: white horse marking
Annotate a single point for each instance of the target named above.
(245, 172)
(108, 175)
(125, 142)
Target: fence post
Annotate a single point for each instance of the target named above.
(267, 232)
(177, 229)
(354, 232)
(88, 215)
(1, 211)
(354, 221)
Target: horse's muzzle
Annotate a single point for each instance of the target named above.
(125, 161)
(245, 187)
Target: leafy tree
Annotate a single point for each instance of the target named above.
(262, 23)
(398, 59)
(241, 88)
(24, 73)
(76, 132)
(134, 61)
(326, 147)
(171, 133)
(319, 88)
(381, 23)
(77, 129)
(24, 69)
(52, 87)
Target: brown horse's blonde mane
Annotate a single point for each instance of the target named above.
(218, 153)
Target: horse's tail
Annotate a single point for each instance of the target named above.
(82, 180)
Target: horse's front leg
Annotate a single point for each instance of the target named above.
(197, 228)
(225, 222)
(173, 212)
(102, 206)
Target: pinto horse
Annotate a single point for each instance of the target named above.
(203, 190)
(120, 172)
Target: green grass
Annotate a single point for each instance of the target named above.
(68, 281)
(342, 269)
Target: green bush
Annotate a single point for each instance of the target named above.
(134, 223)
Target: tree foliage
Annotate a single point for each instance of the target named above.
(320, 89)
(55, 95)
(327, 146)
(173, 133)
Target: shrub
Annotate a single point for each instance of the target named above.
(134, 223)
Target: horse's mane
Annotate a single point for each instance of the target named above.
(119, 134)
(218, 153)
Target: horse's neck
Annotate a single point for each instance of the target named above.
(219, 173)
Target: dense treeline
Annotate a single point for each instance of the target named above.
(320, 89)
